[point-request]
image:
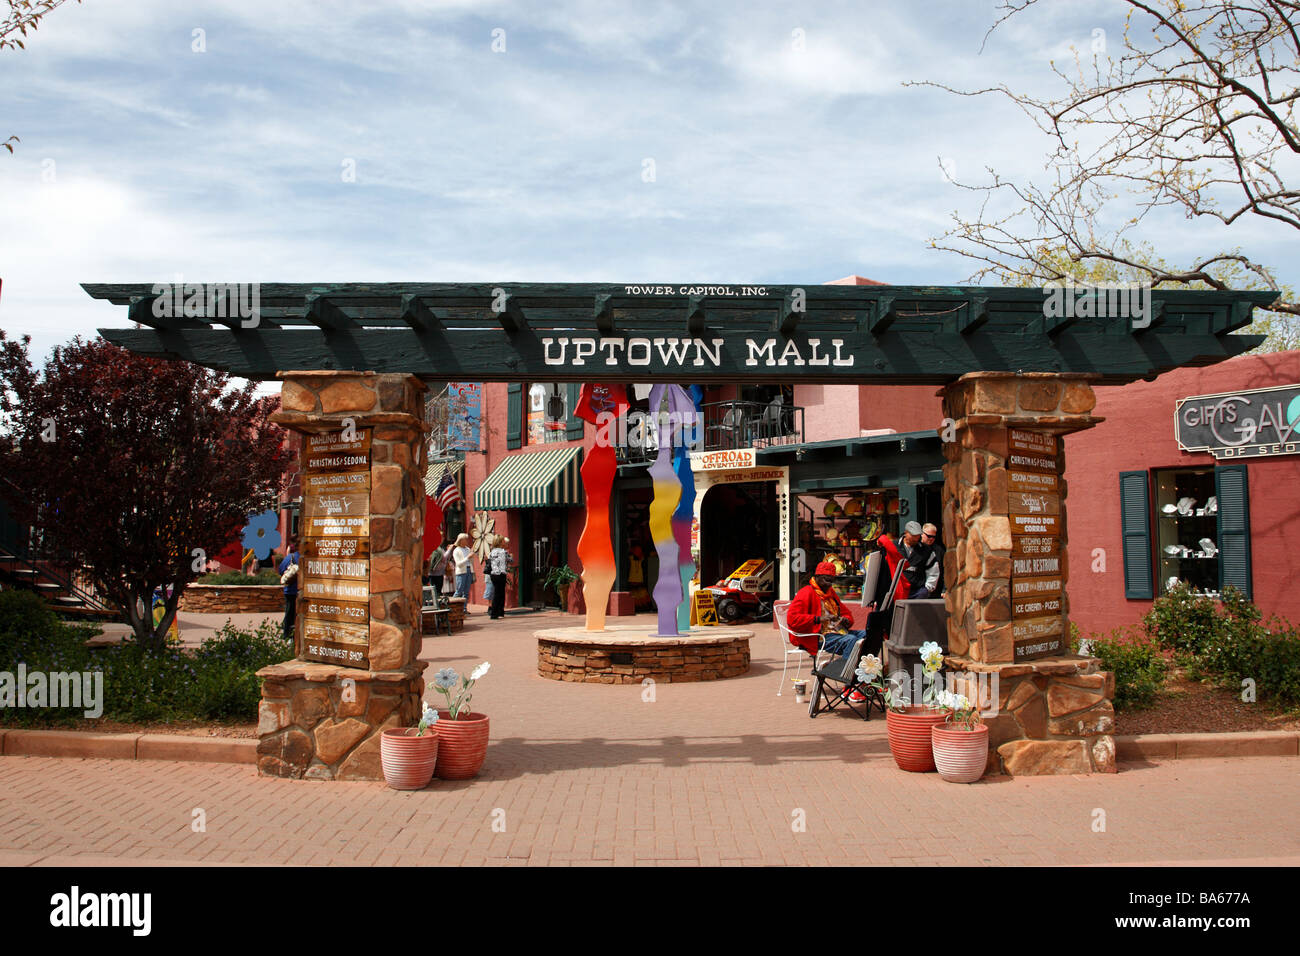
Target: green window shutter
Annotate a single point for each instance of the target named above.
(514, 413)
(573, 425)
(1135, 522)
(1233, 494)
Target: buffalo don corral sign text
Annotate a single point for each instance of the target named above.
(1248, 424)
(336, 548)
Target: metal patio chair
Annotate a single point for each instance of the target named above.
(779, 609)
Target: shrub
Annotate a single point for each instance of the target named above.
(1182, 621)
(264, 576)
(218, 681)
(1225, 642)
(1138, 662)
(28, 626)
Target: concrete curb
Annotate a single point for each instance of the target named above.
(242, 750)
(71, 743)
(1261, 743)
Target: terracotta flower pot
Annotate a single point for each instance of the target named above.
(408, 760)
(909, 737)
(960, 755)
(462, 745)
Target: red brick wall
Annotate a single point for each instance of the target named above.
(1138, 434)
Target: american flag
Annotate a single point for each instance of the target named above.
(447, 493)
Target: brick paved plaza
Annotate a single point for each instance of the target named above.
(707, 773)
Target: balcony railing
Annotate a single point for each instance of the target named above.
(728, 426)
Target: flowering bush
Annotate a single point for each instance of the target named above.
(445, 683)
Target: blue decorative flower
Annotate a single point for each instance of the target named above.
(446, 678)
(261, 534)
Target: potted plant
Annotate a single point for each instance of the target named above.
(961, 743)
(909, 725)
(462, 734)
(409, 754)
(560, 579)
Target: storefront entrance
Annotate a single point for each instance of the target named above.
(543, 547)
(737, 523)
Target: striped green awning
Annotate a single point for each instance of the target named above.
(533, 479)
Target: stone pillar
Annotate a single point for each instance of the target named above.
(1004, 518)
(322, 720)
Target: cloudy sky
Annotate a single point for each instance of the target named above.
(316, 140)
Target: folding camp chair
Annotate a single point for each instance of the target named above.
(835, 680)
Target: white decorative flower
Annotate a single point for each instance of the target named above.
(959, 702)
(871, 666)
(480, 671)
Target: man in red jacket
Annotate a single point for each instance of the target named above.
(818, 610)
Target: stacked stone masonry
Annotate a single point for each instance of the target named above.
(233, 599)
(668, 663)
(308, 728)
(322, 721)
(1055, 713)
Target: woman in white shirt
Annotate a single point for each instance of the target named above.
(460, 557)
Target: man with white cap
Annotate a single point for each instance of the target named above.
(924, 567)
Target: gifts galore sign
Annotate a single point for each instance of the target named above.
(1249, 424)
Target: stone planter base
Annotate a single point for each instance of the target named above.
(1054, 714)
(627, 655)
(233, 599)
(323, 722)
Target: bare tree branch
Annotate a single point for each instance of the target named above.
(1200, 117)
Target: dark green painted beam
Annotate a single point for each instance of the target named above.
(491, 355)
(917, 334)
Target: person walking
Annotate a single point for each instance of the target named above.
(437, 568)
(289, 575)
(499, 561)
(461, 556)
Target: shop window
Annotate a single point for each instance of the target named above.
(842, 527)
(542, 413)
(1199, 535)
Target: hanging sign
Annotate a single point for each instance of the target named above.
(1253, 423)
(464, 415)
